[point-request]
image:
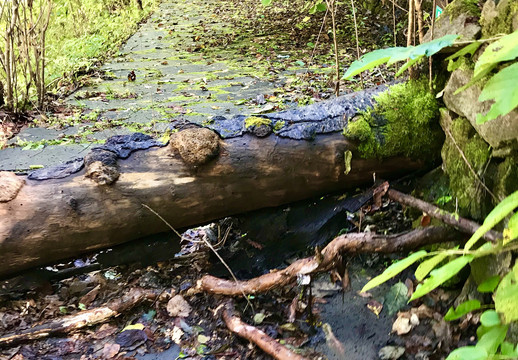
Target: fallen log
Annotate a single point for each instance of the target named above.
(327, 259)
(201, 175)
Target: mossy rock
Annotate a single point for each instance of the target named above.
(403, 122)
(472, 199)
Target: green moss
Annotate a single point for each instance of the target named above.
(472, 200)
(359, 130)
(503, 22)
(458, 7)
(402, 122)
(257, 121)
(506, 177)
(279, 125)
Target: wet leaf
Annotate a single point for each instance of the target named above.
(396, 298)
(375, 306)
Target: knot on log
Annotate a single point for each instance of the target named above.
(10, 185)
(101, 166)
(196, 146)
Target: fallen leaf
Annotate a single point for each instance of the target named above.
(391, 352)
(90, 296)
(110, 350)
(178, 306)
(375, 307)
(402, 324)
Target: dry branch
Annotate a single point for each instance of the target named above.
(256, 336)
(462, 224)
(350, 243)
(80, 320)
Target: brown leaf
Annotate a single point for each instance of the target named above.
(292, 311)
(377, 194)
(425, 220)
(104, 331)
(110, 350)
(90, 296)
(402, 324)
(410, 286)
(178, 306)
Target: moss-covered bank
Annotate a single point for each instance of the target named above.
(403, 121)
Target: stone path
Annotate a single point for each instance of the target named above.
(184, 70)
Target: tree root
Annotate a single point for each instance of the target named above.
(80, 320)
(256, 336)
(327, 259)
(462, 224)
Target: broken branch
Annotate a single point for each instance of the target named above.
(80, 320)
(462, 224)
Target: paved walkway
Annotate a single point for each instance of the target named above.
(188, 65)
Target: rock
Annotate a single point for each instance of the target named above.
(456, 19)
(500, 132)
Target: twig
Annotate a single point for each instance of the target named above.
(430, 60)
(357, 40)
(350, 243)
(210, 247)
(462, 224)
(82, 319)
(409, 35)
(332, 5)
(469, 165)
(256, 336)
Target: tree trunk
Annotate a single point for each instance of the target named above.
(197, 178)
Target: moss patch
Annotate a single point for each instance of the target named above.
(472, 199)
(502, 23)
(257, 121)
(458, 7)
(402, 122)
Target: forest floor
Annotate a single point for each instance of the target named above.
(190, 61)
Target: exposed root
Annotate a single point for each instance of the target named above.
(256, 336)
(326, 260)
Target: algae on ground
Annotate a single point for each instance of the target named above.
(403, 122)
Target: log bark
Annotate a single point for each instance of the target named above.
(188, 182)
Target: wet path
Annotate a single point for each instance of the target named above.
(188, 64)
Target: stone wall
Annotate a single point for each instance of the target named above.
(477, 157)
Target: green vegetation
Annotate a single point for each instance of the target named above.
(402, 122)
(56, 40)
